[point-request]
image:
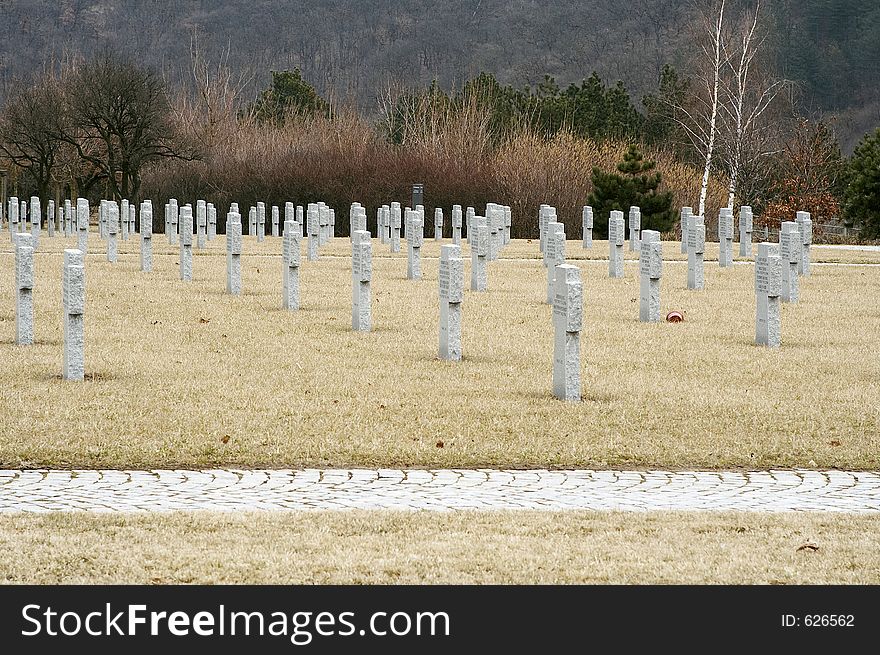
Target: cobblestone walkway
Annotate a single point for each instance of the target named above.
(219, 490)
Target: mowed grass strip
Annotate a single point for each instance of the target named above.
(185, 376)
(440, 548)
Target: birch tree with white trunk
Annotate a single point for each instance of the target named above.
(746, 97)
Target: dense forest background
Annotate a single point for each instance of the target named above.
(354, 51)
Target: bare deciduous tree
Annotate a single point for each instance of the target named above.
(119, 119)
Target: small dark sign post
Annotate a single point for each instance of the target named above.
(418, 195)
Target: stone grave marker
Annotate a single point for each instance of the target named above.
(451, 296)
(616, 236)
(146, 236)
(725, 238)
(233, 253)
(650, 269)
(361, 275)
(554, 249)
(746, 225)
(438, 224)
(686, 213)
(313, 219)
(73, 292)
(635, 227)
(291, 247)
(24, 289)
(696, 248)
(567, 321)
(805, 225)
(480, 255)
(768, 287)
(275, 218)
(790, 246)
(186, 238)
(111, 211)
(587, 220)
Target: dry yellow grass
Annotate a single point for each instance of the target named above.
(394, 547)
(174, 368)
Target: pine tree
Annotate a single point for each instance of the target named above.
(861, 198)
(632, 184)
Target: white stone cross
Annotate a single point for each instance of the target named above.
(252, 222)
(35, 221)
(746, 226)
(291, 247)
(395, 227)
(361, 275)
(790, 248)
(414, 239)
(276, 216)
(616, 236)
(111, 213)
(650, 270)
(805, 224)
(201, 223)
(73, 292)
(568, 313)
(686, 213)
(554, 250)
(479, 254)
(186, 239)
(82, 224)
(438, 224)
(456, 225)
(13, 218)
(696, 248)
(635, 227)
(172, 221)
(768, 287)
(313, 221)
(24, 290)
(725, 238)
(261, 221)
(233, 253)
(146, 236)
(587, 227)
(451, 281)
(212, 222)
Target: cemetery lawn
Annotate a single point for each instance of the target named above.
(388, 547)
(182, 375)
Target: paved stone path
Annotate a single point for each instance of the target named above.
(311, 489)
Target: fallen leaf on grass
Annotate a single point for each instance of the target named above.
(204, 320)
(440, 444)
(225, 438)
(809, 545)
(834, 442)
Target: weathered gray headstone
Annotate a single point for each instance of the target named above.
(201, 224)
(171, 225)
(616, 237)
(554, 249)
(696, 248)
(290, 213)
(131, 218)
(805, 225)
(768, 287)
(212, 222)
(50, 218)
(790, 247)
(313, 219)
(13, 218)
(451, 297)
(186, 238)
(146, 236)
(395, 227)
(746, 225)
(415, 232)
(123, 219)
(252, 222)
(495, 219)
(332, 224)
(456, 225)
(635, 227)
(548, 216)
(112, 220)
(469, 214)
(568, 310)
(323, 223)
(386, 222)
(686, 213)
(35, 221)
(102, 219)
(291, 247)
(650, 269)
(361, 275)
(24, 289)
(69, 219)
(73, 292)
(725, 237)
(59, 219)
(233, 253)
(438, 224)
(276, 216)
(300, 218)
(587, 227)
(82, 224)
(508, 221)
(261, 221)
(479, 254)
(544, 212)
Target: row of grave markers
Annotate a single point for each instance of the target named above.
(776, 269)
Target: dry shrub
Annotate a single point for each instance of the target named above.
(347, 158)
